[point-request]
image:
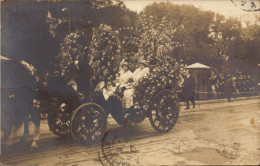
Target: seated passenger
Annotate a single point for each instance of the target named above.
(138, 75)
(140, 72)
(125, 78)
(125, 82)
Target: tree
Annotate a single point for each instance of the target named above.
(187, 26)
(206, 37)
(25, 35)
(249, 49)
(66, 17)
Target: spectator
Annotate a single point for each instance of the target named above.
(189, 91)
(213, 91)
(229, 87)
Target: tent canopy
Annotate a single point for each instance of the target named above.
(197, 66)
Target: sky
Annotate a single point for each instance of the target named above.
(223, 7)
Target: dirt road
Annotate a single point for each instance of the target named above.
(217, 133)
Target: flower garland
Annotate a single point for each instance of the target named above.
(104, 53)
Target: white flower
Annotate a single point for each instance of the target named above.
(64, 9)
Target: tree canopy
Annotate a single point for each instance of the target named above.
(37, 32)
(208, 37)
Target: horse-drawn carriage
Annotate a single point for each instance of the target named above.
(87, 122)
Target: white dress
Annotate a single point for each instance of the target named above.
(139, 74)
(124, 80)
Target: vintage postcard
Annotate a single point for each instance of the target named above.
(130, 82)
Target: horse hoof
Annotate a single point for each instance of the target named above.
(33, 149)
(34, 145)
(23, 141)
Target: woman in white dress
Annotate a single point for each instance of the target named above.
(125, 79)
(140, 72)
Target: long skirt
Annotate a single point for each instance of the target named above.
(127, 100)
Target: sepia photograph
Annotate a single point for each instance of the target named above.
(130, 82)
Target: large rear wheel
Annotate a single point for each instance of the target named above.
(88, 123)
(164, 111)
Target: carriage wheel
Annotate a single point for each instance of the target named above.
(59, 119)
(164, 111)
(88, 123)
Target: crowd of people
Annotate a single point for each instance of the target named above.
(246, 83)
(239, 84)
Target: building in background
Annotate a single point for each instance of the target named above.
(201, 74)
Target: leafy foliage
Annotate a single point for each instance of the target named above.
(206, 37)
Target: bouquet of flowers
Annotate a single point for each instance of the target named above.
(157, 46)
(74, 51)
(104, 55)
(160, 77)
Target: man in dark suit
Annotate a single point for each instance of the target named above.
(189, 91)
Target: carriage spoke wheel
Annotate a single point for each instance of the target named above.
(88, 123)
(164, 111)
(59, 120)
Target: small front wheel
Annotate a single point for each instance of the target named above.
(88, 123)
(59, 118)
(164, 111)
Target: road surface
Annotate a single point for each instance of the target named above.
(217, 133)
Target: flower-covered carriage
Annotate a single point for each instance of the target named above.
(89, 120)
(154, 96)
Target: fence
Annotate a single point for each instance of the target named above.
(219, 95)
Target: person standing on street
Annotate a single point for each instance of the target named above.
(230, 87)
(189, 91)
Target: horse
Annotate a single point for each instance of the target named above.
(17, 96)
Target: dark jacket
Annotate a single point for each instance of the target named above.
(189, 87)
(230, 86)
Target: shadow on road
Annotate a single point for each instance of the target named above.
(50, 142)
